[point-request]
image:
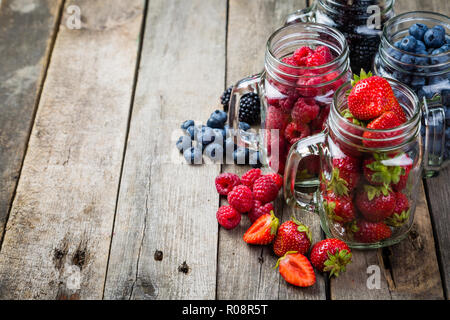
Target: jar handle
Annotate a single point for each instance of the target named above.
(246, 85)
(434, 118)
(303, 15)
(301, 149)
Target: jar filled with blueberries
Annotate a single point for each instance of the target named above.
(361, 22)
(415, 50)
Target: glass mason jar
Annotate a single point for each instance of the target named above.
(369, 179)
(361, 22)
(285, 89)
(428, 75)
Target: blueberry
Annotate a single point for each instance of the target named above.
(206, 136)
(255, 160)
(244, 126)
(215, 152)
(397, 55)
(183, 143)
(408, 44)
(191, 132)
(422, 61)
(436, 80)
(441, 59)
(418, 30)
(217, 119)
(434, 38)
(447, 39)
(398, 44)
(187, 124)
(417, 82)
(408, 61)
(430, 50)
(420, 47)
(241, 155)
(193, 155)
(425, 92)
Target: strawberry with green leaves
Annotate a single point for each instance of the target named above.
(296, 269)
(401, 212)
(375, 203)
(370, 232)
(292, 236)
(339, 208)
(345, 175)
(263, 231)
(331, 255)
(380, 171)
(406, 164)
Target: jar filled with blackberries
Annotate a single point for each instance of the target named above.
(305, 63)
(415, 49)
(361, 22)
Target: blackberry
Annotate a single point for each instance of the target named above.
(225, 98)
(250, 108)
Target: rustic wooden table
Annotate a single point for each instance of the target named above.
(89, 190)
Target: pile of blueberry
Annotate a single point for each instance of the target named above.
(428, 45)
(216, 141)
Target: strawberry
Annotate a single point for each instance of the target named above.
(296, 269)
(345, 175)
(387, 120)
(375, 203)
(259, 209)
(277, 179)
(370, 96)
(250, 177)
(292, 236)
(331, 255)
(405, 163)
(379, 170)
(401, 211)
(339, 208)
(369, 232)
(263, 231)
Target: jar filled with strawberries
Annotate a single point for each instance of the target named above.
(305, 63)
(370, 163)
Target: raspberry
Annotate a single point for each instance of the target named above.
(275, 143)
(324, 52)
(276, 119)
(225, 182)
(307, 86)
(296, 131)
(277, 179)
(228, 217)
(259, 210)
(287, 70)
(241, 198)
(319, 122)
(305, 111)
(315, 60)
(250, 177)
(287, 103)
(301, 54)
(265, 189)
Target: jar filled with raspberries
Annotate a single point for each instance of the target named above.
(415, 50)
(305, 63)
(370, 164)
(361, 21)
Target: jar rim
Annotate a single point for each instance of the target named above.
(324, 3)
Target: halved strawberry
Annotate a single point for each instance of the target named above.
(263, 231)
(296, 269)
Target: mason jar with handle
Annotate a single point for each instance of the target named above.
(368, 181)
(295, 101)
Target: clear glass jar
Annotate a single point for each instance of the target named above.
(428, 75)
(361, 22)
(281, 87)
(348, 204)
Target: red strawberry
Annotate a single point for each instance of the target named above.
(331, 255)
(401, 211)
(228, 217)
(263, 231)
(259, 209)
(370, 232)
(375, 203)
(339, 208)
(292, 236)
(345, 175)
(305, 110)
(296, 269)
(370, 97)
(296, 131)
(405, 163)
(265, 189)
(387, 120)
(382, 169)
(250, 177)
(225, 182)
(277, 179)
(241, 198)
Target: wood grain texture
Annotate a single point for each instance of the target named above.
(26, 35)
(164, 204)
(58, 235)
(244, 271)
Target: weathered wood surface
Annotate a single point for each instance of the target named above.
(164, 204)
(26, 37)
(245, 272)
(58, 235)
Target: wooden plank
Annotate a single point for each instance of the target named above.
(58, 235)
(409, 270)
(25, 44)
(245, 272)
(165, 205)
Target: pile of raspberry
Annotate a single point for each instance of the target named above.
(301, 108)
(250, 194)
